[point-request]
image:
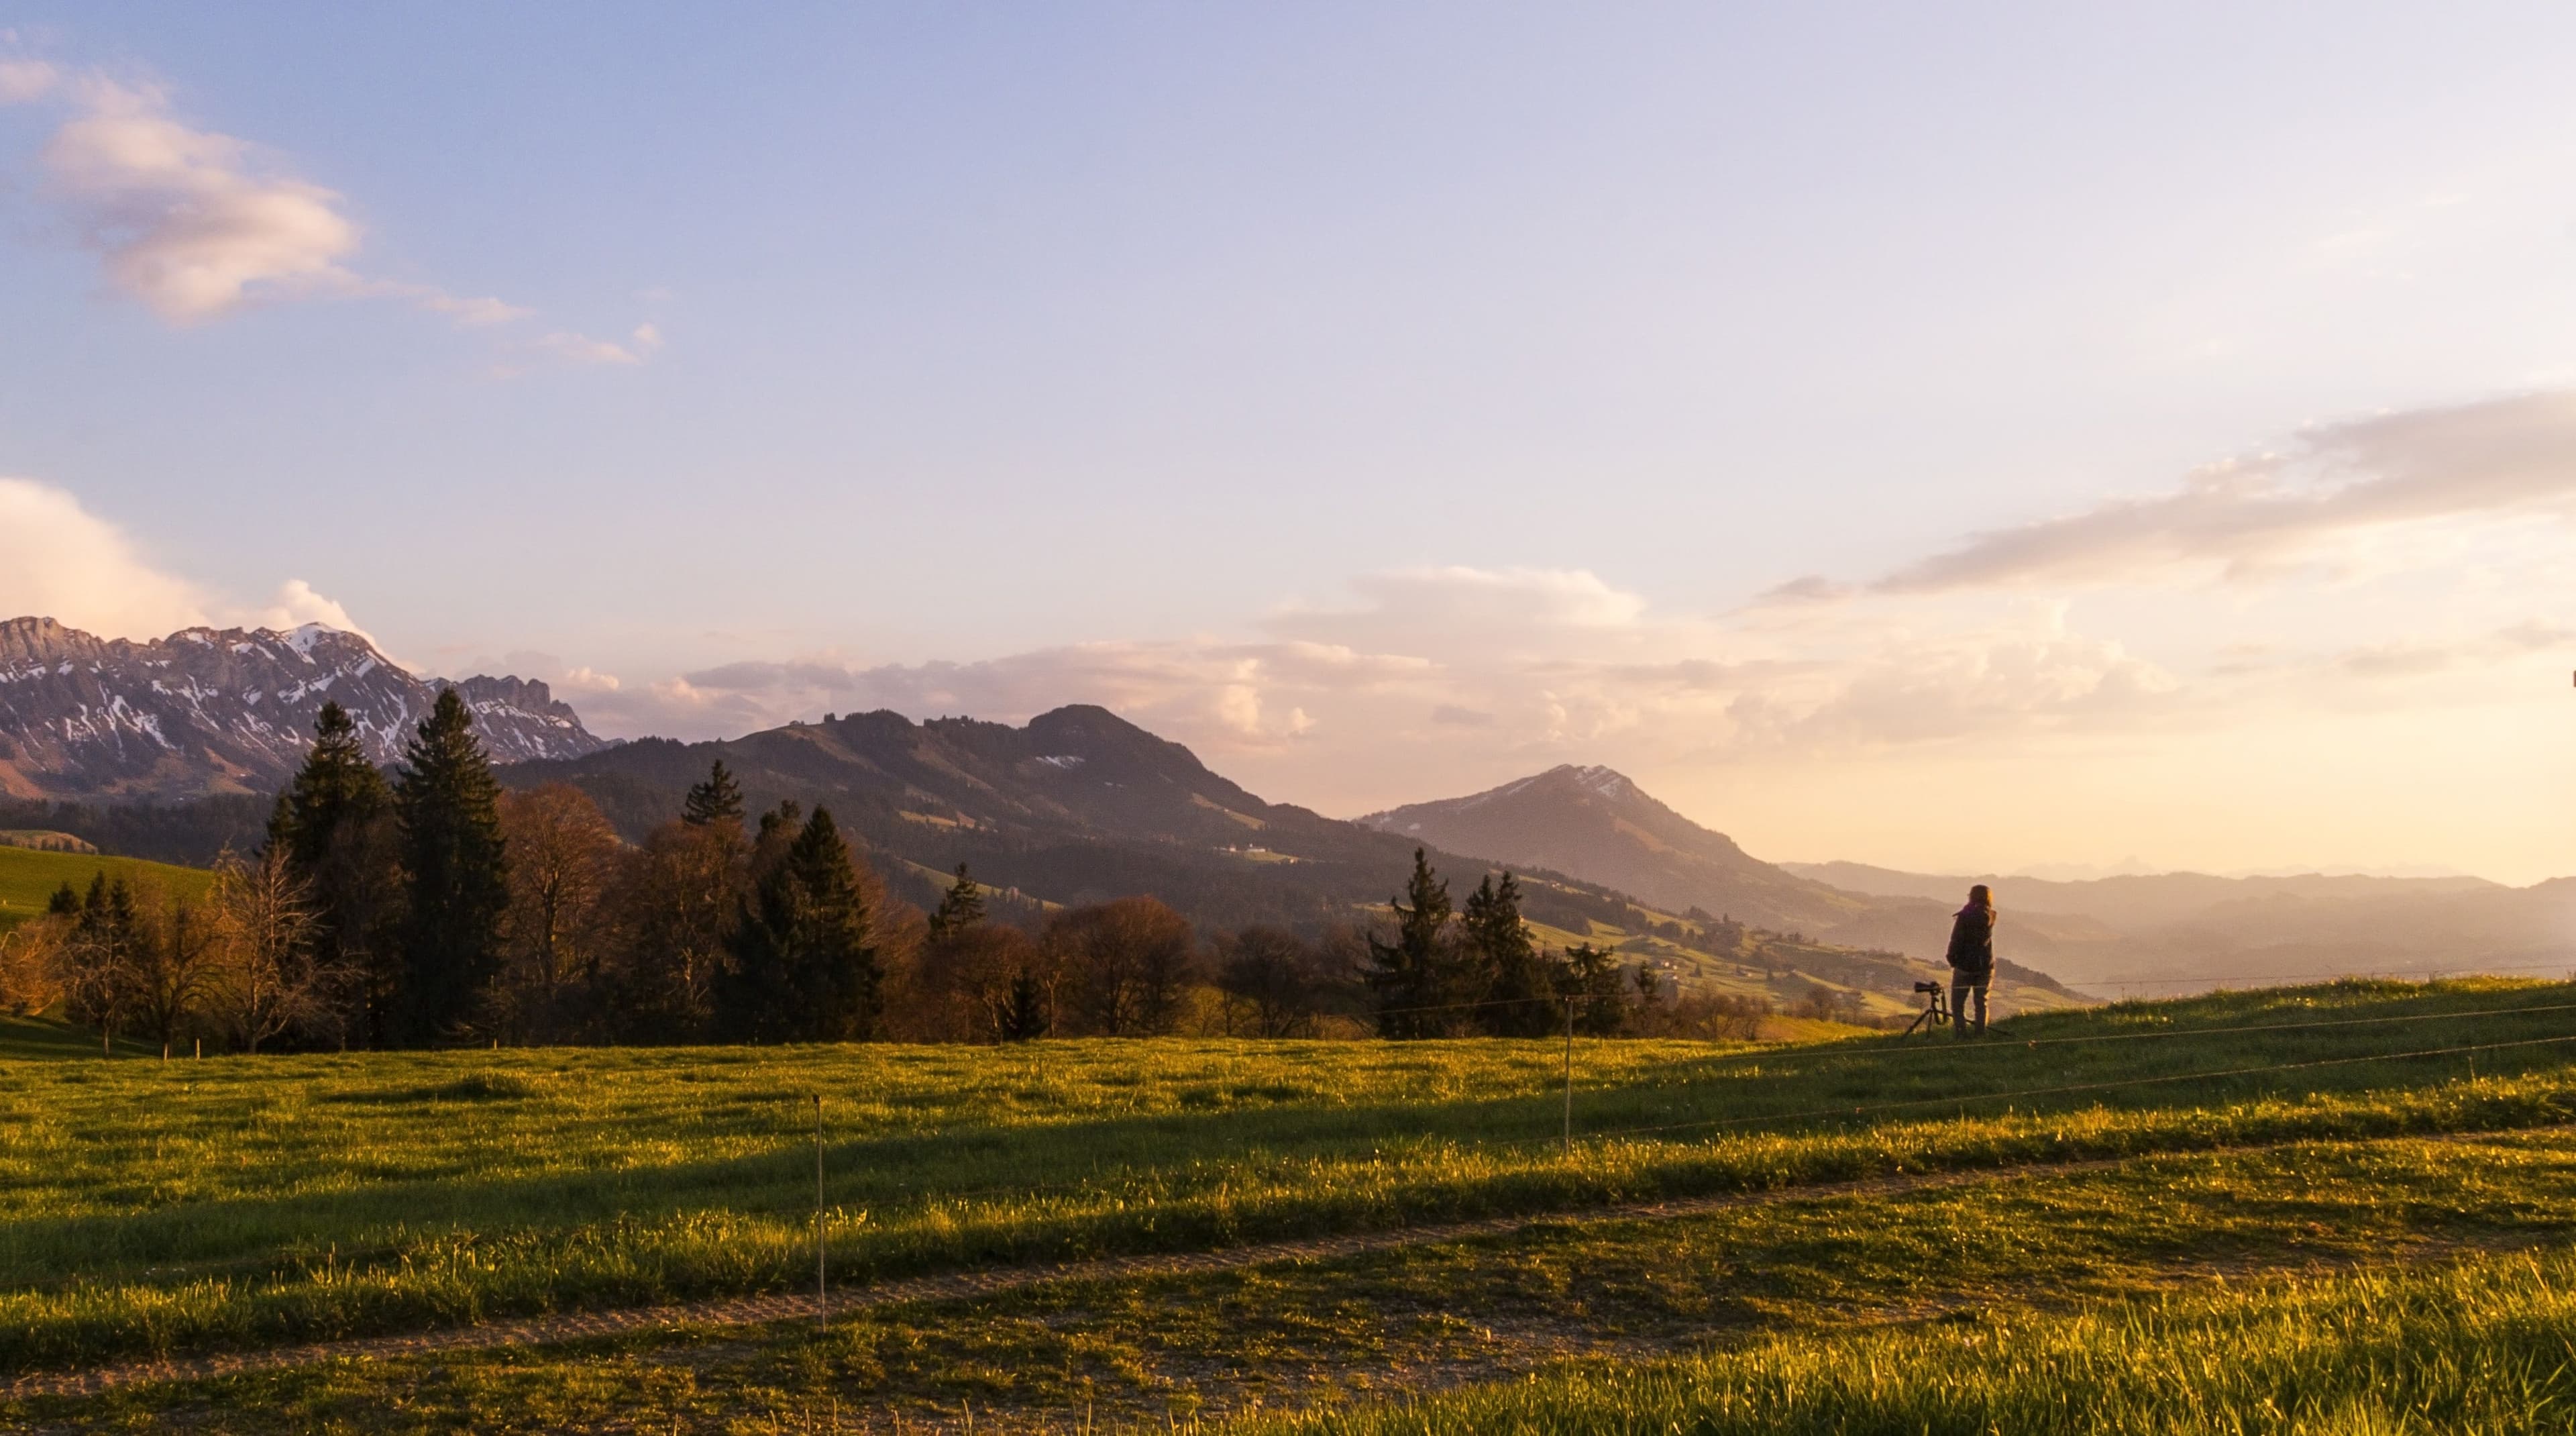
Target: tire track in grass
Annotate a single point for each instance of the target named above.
(960, 1286)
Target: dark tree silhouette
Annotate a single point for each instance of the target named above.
(455, 877)
(804, 968)
(714, 800)
(1414, 976)
(334, 826)
(959, 909)
(1513, 981)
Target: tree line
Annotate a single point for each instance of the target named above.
(432, 908)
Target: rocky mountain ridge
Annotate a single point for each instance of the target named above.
(210, 711)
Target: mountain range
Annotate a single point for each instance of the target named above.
(226, 710)
(2136, 936)
(1079, 805)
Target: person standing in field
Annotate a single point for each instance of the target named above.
(1972, 959)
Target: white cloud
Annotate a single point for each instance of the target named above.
(582, 349)
(68, 564)
(196, 224)
(295, 604)
(25, 81)
(72, 566)
(189, 221)
(2343, 486)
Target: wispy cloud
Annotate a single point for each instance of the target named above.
(2251, 517)
(582, 349)
(195, 224)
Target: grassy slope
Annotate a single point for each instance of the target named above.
(2014, 1255)
(244, 1201)
(2483, 1348)
(28, 878)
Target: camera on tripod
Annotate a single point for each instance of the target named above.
(1936, 1007)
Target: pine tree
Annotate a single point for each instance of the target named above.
(334, 827)
(105, 939)
(804, 967)
(714, 800)
(1414, 974)
(1509, 974)
(1022, 1017)
(1596, 990)
(960, 909)
(65, 902)
(455, 876)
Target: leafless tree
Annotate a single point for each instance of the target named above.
(677, 898)
(172, 968)
(1127, 964)
(272, 980)
(563, 858)
(31, 965)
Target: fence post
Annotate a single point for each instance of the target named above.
(1569, 1079)
(822, 1293)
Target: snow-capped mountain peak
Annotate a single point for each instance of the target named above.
(210, 710)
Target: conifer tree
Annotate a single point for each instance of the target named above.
(1413, 974)
(1022, 1017)
(455, 876)
(105, 937)
(804, 969)
(334, 826)
(1513, 979)
(65, 902)
(714, 800)
(960, 909)
(1596, 990)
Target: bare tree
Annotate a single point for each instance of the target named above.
(173, 967)
(31, 964)
(1273, 981)
(272, 979)
(563, 857)
(677, 898)
(1127, 963)
(972, 984)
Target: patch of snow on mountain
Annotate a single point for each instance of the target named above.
(1062, 760)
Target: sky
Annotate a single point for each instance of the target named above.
(1965, 438)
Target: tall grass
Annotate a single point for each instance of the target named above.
(153, 1207)
(2483, 1348)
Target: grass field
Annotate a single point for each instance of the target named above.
(28, 878)
(245, 1202)
(2482, 1348)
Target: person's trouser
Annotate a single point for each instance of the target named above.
(1963, 988)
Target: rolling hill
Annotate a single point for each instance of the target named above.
(29, 876)
(1080, 805)
(2182, 931)
(1596, 825)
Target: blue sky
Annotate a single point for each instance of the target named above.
(1385, 400)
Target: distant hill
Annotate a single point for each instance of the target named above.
(1077, 805)
(1595, 824)
(29, 876)
(224, 711)
(1080, 805)
(2172, 931)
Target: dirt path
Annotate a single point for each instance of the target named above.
(746, 1311)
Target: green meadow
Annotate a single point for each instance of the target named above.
(29, 877)
(240, 1202)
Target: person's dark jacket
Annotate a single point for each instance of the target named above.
(1972, 942)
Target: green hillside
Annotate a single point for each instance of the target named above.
(2077, 1158)
(28, 878)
